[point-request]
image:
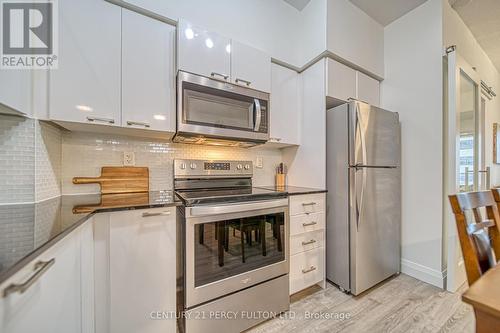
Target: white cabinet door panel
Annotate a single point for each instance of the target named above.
(53, 302)
(15, 89)
(142, 277)
(368, 89)
(87, 83)
(202, 52)
(341, 81)
(285, 106)
(250, 67)
(148, 73)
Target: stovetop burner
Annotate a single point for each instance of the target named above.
(226, 195)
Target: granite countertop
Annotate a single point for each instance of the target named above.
(294, 190)
(26, 230)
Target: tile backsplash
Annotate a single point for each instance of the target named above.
(83, 154)
(39, 160)
(17, 159)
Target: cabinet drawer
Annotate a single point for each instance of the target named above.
(306, 241)
(306, 204)
(307, 222)
(306, 269)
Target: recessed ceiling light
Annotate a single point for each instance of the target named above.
(189, 33)
(209, 43)
(159, 117)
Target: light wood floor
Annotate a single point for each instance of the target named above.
(402, 304)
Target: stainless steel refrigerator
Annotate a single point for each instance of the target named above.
(364, 196)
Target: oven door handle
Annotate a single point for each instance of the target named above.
(236, 208)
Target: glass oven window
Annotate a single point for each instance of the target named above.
(227, 248)
(213, 107)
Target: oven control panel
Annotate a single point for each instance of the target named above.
(208, 168)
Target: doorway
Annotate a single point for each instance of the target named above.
(464, 153)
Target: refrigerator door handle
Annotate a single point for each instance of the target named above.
(360, 199)
(359, 127)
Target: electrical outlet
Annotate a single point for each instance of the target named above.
(259, 162)
(128, 158)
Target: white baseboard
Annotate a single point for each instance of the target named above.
(423, 273)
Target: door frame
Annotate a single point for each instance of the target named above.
(454, 66)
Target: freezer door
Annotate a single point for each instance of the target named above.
(375, 226)
(374, 136)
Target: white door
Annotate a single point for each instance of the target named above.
(202, 52)
(285, 106)
(463, 160)
(86, 86)
(142, 270)
(148, 73)
(340, 81)
(250, 67)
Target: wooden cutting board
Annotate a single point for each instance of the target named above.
(119, 180)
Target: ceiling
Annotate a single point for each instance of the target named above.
(298, 4)
(386, 11)
(483, 19)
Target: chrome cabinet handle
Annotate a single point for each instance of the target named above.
(104, 120)
(137, 123)
(155, 214)
(224, 76)
(275, 139)
(248, 83)
(309, 224)
(40, 268)
(312, 268)
(312, 241)
(308, 203)
(258, 115)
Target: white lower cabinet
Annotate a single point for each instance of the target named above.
(54, 301)
(307, 241)
(136, 271)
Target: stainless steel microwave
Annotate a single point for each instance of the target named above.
(211, 111)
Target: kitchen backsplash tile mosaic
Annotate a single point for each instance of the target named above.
(48, 145)
(83, 154)
(17, 159)
(39, 160)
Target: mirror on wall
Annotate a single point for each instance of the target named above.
(496, 143)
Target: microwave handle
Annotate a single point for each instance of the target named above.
(258, 115)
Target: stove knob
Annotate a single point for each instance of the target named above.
(239, 167)
(193, 166)
(183, 166)
(247, 166)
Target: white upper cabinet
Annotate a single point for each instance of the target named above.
(344, 82)
(203, 52)
(250, 67)
(86, 86)
(148, 73)
(368, 89)
(15, 90)
(341, 81)
(285, 106)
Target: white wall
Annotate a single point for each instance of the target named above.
(270, 25)
(307, 163)
(413, 87)
(312, 35)
(354, 36)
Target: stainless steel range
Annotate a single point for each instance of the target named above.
(233, 245)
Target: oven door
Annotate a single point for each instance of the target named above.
(212, 108)
(232, 247)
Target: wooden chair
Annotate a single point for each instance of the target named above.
(479, 239)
